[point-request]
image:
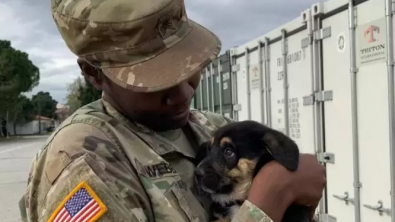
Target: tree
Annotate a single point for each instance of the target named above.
(22, 112)
(17, 75)
(88, 93)
(73, 93)
(44, 105)
(17, 71)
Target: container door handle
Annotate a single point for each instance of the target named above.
(379, 207)
(346, 198)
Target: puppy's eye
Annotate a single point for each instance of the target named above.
(228, 152)
(230, 157)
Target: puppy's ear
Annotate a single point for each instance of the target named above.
(202, 152)
(283, 149)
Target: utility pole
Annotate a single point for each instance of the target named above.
(39, 117)
(6, 130)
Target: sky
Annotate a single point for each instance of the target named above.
(29, 26)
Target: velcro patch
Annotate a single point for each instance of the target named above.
(81, 205)
(159, 170)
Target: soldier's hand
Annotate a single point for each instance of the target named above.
(275, 188)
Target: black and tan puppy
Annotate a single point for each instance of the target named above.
(227, 164)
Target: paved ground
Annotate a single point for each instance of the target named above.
(15, 158)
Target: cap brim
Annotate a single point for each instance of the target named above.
(172, 66)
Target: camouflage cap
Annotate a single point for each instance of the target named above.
(144, 46)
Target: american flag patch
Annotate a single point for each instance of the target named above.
(81, 205)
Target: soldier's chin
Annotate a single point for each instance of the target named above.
(169, 124)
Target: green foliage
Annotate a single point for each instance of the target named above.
(17, 69)
(25, 111)
(17, 75)
(73, 90)
(88, 93)
(44, 105)
(22, 112)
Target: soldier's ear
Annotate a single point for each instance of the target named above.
(93, 75)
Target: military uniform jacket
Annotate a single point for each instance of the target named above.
(98, 166)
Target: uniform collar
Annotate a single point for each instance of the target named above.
(164, 146)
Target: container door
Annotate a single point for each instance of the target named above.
(255, 87)
(241, 78)
(337, 118)
(217, 86)
(373, 124)
(210, 87)
(198, 95)
(204, 89)
(299, 71)
(276, 86)
(226, 85)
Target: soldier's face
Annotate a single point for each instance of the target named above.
(164, 110)
(160, 111)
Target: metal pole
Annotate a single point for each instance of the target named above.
(207, 90)
(201, 92)
(248, 83)
(391, 109)
(354, 111)
(6, 123)
(212, 87)
(285, 83)
(267, 81)
(233, 79)
(261, 82)
(220, 86)
(313, 60)
(318, 105)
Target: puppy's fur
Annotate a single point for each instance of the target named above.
(227, 164)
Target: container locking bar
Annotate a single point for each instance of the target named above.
(306, 42)
(322, 33)
(326, 157)
(326, 218)
(237, 107)
(324, 96)
(318, 97)
(346, 198)
(379, 207)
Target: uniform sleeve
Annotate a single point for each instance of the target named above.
(248, 212)
(82, 174)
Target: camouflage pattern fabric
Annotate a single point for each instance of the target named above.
(124, 164)
(144, 46)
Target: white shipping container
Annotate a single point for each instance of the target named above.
(326, 80)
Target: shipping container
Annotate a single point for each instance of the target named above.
(326, 80)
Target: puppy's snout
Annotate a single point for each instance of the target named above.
(210, 181)
(199, 173)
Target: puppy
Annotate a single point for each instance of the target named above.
(227, 164)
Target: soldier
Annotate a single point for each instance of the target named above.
(128, 156)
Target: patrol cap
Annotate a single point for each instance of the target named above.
(144, 46)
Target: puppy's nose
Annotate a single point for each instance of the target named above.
(199, 173)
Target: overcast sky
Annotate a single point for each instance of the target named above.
(26, 23)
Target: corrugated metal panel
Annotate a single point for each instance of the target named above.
(300, 78)
(226, 80)
(198, 97)
(216, 84)
(204, 90)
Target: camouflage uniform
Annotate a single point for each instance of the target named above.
(125, 164)
(120, 170)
